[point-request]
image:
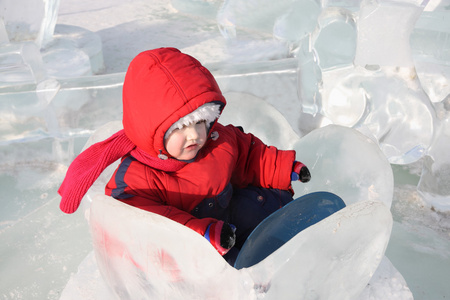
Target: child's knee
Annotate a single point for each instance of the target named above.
(251, 205)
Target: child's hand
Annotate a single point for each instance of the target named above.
(300, 172)
(221, 235)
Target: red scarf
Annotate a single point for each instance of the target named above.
(87, 166)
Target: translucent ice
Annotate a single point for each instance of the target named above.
(434, 185)
(163, 269)
(87, 283)
(207, 9)
(378, 42)
(37, 255)
(335, 38)
(140, 257)
(32, 20)
(386, 283)
(23, 22)
(259, 118)
(328, 253)
(236, 13)
(275, 82)
(4, 39)
(346, 163)
(298, 21)
(309, 79)
(79, 49)
(48, 25)
(71, 52)
(287, 19)
(161, 263)
(21, 66)
(430, 46)
(60, 107)
(352, 97)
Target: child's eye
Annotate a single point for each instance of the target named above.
(200, 122)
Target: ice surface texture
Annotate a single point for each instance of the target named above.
(139, 253)
(346, 163)
(337, 53)
(434, 182)
(308, 76)
(30, 21)
(284, 224)
(143, 255)
(347, 51)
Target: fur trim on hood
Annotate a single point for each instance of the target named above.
(208, 112)
(162, 86)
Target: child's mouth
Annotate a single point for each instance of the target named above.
(191, 147)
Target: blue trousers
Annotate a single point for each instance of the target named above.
(244, 208)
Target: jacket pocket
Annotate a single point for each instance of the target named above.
(214, 207)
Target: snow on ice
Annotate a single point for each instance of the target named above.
(360, 88)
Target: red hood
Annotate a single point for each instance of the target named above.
(161, 86)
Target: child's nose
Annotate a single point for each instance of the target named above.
(191, 132)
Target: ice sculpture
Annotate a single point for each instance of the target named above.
(137, 260)
(284, 224)
(206, 9)
(88, 284)
(30, 50)
(346, 163)
(430, 51)
(80, 49)
(434, 185)
(4, 39)
(298, 21)
(234, 14)
(78, 109)
(21, 66)
(353, 98)
(260, 118)
(335, 38)
(33, 20)
(343, 89)
(330, 241)
(58, 107)
(378, 44)
(386, 283)
(275, 82)
(142, 255)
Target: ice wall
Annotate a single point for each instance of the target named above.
(381, 67)
(141, 257)
(33, 20)
(46, 116)
(33, 48)
(434, 185)
(384, 28)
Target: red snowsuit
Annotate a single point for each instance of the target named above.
(235, 157)
(159, 89)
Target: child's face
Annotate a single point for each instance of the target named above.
(184, 143)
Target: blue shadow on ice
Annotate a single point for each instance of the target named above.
(284, 224)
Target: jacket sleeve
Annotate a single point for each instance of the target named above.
(173, 213)
(136, 196)
(261, 165)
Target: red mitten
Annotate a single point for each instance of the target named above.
(300, 172)
(221, 235)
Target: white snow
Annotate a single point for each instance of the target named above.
(379, 71)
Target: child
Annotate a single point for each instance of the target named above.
(179, 162)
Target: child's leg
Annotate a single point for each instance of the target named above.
(251, 205)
